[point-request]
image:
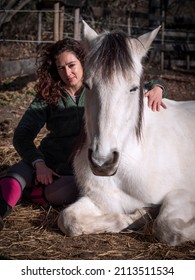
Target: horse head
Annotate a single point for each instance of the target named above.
(114, 96)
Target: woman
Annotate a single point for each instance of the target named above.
(59, 105)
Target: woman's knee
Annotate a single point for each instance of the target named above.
(22, 172)
(62, 191)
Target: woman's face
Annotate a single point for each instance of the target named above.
(70, 70)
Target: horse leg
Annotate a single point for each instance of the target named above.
(176, 221)
(84, 217)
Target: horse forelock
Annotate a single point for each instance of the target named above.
(109, 55)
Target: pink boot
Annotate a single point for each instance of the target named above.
(10, 192)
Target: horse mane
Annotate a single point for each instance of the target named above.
(138, 128)
(110, 53)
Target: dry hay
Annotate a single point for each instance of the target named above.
(31, 232)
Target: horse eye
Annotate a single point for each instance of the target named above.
(133, 89)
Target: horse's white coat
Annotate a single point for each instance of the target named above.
(159, 168)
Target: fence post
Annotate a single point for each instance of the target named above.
(129, 24)
(56, 21)
(39, 15)
(77, 24)
(162, 60)
(39, 26)
(62, 10)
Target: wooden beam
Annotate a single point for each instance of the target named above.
(39, 26)
(77, 24)
(129, 25)
(56, 21)
(62, 10)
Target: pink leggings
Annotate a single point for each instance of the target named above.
(62, 191)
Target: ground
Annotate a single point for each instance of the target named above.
(31, 232)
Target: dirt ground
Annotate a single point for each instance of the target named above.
(31, 231)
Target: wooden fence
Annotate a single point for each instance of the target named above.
(172, 47)
(176, 48)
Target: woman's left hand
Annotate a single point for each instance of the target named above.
(155, 98)
(44, 174)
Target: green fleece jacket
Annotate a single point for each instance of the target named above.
(63, 123)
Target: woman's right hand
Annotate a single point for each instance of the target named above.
(44, 174)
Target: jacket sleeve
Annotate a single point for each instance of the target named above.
(26, 131)
(148, 86)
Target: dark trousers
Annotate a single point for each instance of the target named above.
(62, 190)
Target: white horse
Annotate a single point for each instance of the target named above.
(132, 159)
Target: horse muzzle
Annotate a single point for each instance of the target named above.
(107, 167)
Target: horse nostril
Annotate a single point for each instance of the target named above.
(111, 159)
(90, 154)
(115, 157)
(101, 165)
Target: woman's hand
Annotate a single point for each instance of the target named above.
(155, 98)
(44, 174)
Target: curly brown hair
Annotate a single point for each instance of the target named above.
(49, 84)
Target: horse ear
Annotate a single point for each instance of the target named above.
(146, 41)
(88, 33)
